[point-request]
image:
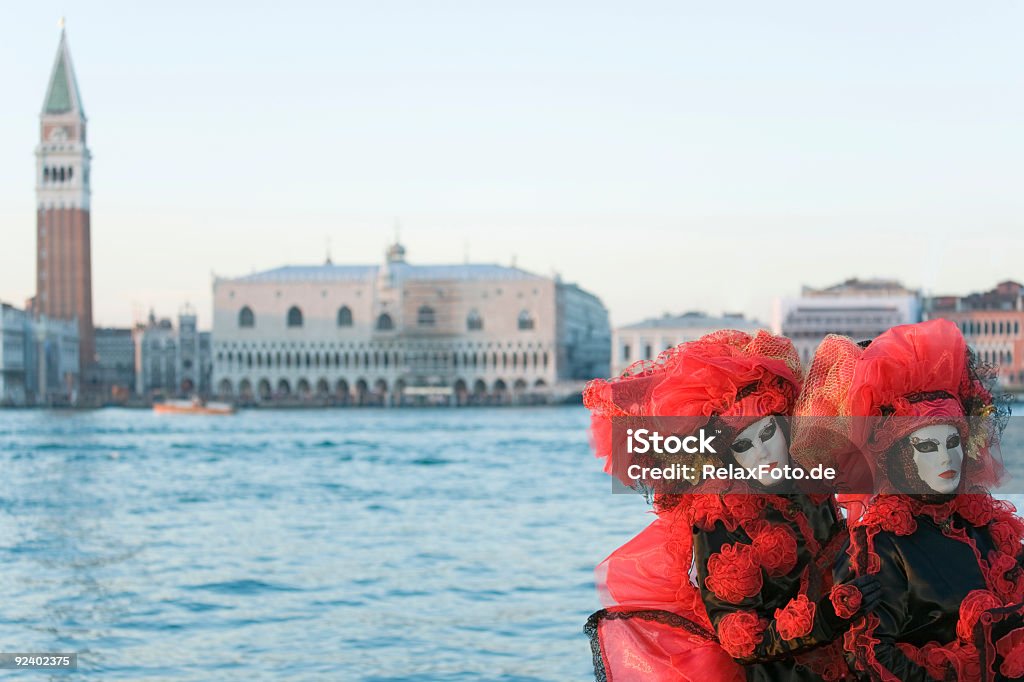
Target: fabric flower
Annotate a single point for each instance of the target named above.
(740, 632)
(1006, 534)
(1000, 567)
(797, 619)
(705, 510)
(774, 548)
(733, 575)
(769, 401)
(1011, 648)
(974, 604)
(846, 600)
(893, 516)
(743, 508)
(975, 509)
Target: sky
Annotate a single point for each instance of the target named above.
(666, 156)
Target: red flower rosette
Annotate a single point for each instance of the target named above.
(733, 575)
(704, 510)
(1004, 577)
(891, 513)
(846, 600)
(774, 547)
(743, 508)
(1006, 531)
(977, 510)
(974, 604)
(1011, 648)
(740, 632)
(797, 619)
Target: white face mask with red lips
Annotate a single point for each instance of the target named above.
(939, 456)
(763, 442)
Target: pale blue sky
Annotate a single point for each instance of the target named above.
(667, 156)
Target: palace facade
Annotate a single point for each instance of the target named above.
(399, 333)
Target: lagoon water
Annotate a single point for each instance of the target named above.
(366, 544)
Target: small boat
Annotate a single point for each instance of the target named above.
(193, 406)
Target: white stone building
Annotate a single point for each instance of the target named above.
(400, 333)
(39, 359)
(644, 340)
(13, 328)
(860, 309)
(172, 361)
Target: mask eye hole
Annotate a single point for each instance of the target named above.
(768, 431)
(924, 446)
(953, 441)
(741, 445)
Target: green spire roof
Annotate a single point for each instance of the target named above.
(62, 93)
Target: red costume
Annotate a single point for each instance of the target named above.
(731, 582)
(949, 563)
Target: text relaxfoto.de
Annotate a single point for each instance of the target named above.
(644, 441)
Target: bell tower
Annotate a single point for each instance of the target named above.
(63, 251)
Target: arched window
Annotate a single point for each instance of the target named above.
(246, 318)
(46, 174)
(384, 322)
(344, 316)
(525, 321)
(474, 322)
(425, 316)
(294, 316)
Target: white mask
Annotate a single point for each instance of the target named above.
(761, 443)
(939, 456)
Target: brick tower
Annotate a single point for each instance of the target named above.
(63, 260)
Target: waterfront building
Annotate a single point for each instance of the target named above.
(993, 324)
(644, 340)
(63, 243)
(172, 361)
(860, 309)
(38, 359)
(13, 326)
(52, 370)
(113, 376)
(401, 333)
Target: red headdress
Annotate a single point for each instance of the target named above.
(731, 377)
(862, 401)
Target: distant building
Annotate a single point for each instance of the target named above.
(38, 359)
(13, 328)
(52, 370)
(63, 240)
(113, 376)
(172, 362)
(860, 309)
(992, 322)
(399, 332)
(644, 340)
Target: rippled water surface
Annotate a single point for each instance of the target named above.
(344, 544)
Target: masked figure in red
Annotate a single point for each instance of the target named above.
(947, 554)
(733, 580)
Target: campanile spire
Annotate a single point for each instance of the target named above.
(63, 244)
